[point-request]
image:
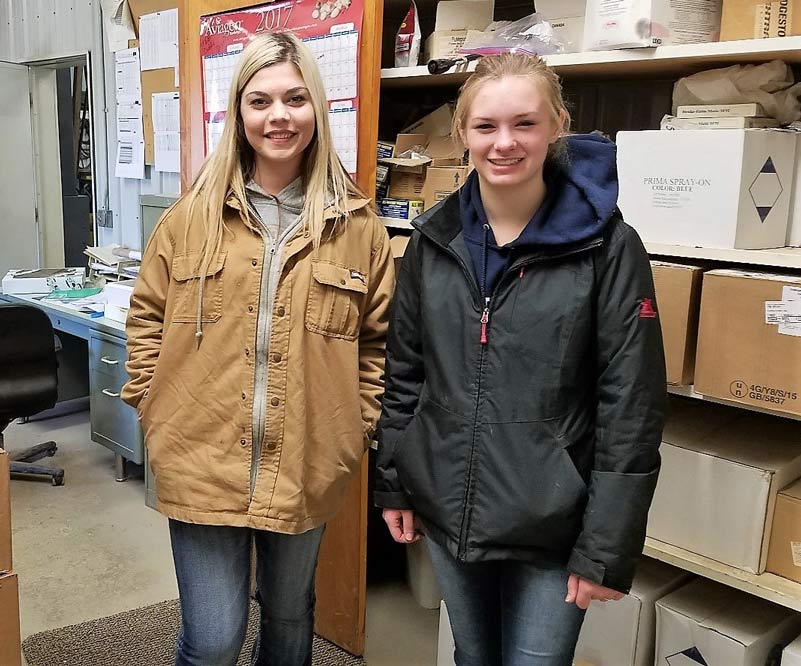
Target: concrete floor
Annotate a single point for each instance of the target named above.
(91, 548)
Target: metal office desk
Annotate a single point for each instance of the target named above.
(113, 423)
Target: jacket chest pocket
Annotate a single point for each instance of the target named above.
(185, 276)
(335, 298)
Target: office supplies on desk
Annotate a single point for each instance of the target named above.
(43, 280)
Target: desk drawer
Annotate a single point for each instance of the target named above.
(107, 355)
(62, 323)
(114, 424)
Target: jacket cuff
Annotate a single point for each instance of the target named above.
(391, 500)
(583, 566)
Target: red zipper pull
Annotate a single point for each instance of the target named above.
(484, 322)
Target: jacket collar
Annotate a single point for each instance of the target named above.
(330, 213)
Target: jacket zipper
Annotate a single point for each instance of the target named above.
(260, 383)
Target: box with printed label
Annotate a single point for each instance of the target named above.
(708, 623)
(567, 20)
(385, 149)
(441, 182)
(678, 297)
(759, 19)
(722, 468)
(749, 339)
(5, 513)
(619, 24)
(623, 633)
(10, 651)
(400, 209)
(722, 188)
(43, 280)
(406, 184)
(446, 43)
(784, 553)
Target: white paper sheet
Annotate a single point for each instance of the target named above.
(117, 23)
(158, 39)
(166, 112)
(130, 160)
(128, 80)
(168, 151)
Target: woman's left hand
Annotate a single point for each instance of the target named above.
(581, 592)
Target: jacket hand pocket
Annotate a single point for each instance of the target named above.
(185, 275)
(336, 294)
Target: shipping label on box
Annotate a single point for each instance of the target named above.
(5, 513)
(735, 195)
(722, 468)
(760, 19)
(446, 44)
(678, 297)
(707, 623)
(749, 339)
(10, 651)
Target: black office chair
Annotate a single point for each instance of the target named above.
(28, 380)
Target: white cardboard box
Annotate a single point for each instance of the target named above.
(794, 227)
(707, 623)
(721, 470)
(119, 293)
(619, 24)
(791, 655)
(707, 188)
(464, 14)
(42, 280)
(623, 633)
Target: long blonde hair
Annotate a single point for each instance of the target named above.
(230, 166)
(496, 67)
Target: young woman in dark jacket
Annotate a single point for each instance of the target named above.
(525, 386)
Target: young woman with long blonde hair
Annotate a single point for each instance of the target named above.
(525, 386)
(256, 349)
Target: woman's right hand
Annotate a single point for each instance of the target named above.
(401, 525)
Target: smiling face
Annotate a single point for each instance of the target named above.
(278, 118)
(508, 129)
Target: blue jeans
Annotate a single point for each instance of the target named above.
(212, 565)
(507, 612)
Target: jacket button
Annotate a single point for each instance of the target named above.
(244, 397)
(276, 358)
(243, 442)
(254, 262)
(342, 282)
(271, 446)
(247, 352)
(281, 311)
(250, 308)
(274, 402)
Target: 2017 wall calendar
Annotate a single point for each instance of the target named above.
(330, 28)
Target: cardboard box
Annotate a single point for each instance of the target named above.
(384, 149)
(784, 552)
(42, 280)
(734, 122)
(446, 43)
(794, 227)
(620, 24)
(464, 14)
(10, 650)
(5, 513)
(722, 468)
(440, 182)
(623, 633)
(755, 19)
(749, 339)
(678, 297)
(400, 209)
(119, 293)
(406, 184)
(707, 623)
(567, 19)
(707, 188)
(398, 245)
(436, 123)
(791, 655)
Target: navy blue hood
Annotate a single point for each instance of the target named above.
(581, 197)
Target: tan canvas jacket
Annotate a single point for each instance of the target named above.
(324, 370)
